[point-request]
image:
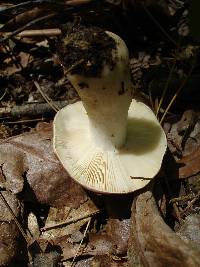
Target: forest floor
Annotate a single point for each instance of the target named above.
(46, 218)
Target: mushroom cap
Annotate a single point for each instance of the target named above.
(118, 171)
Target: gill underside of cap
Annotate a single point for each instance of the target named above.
(116, 171)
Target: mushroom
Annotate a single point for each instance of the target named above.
(107, 142)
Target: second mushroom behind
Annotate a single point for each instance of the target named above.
(107, 142)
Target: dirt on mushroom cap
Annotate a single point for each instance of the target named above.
(92, 47)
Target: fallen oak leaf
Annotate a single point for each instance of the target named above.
(184, 140)
(191, 164)
(65, 221)
(9, 232)
(13, 168)
(29, 159)
(152, 242)
(119, 231)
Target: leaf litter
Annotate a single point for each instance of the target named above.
(76, 227)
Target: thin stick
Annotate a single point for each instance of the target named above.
(176, 94)
(48, 100)
(35, 109)
(29, 3)
(3, 94)
(40, 32)
(70, 221)
(20, 5)
(77, 2)
(15, 219)
(166, 87)
(84, 234)
(26, 26)
(141, 178)
(22, 121)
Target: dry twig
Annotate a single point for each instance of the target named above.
(70, 221)
(31, 33)
(26, 26)
(30, 110)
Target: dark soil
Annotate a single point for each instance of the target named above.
(91, 46)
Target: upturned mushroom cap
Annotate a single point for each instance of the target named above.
(108, 142)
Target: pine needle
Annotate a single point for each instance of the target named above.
(46, 98)
(176, 94)
(166, 87)
(84, 234)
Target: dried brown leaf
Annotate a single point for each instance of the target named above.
(119, 231)
(152, 242)
(190, 229)
(184, 141)
(9, 233)
(29, 159)
(65, 221)
(191, 164)
(100, 260)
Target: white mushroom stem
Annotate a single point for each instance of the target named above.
(107, 99)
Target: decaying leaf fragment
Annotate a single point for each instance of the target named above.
(184, 143)
(9, 234)
(100, 260)
(152, 242)
(190, 229)
(28, 163)
(65, 221)
(64, 228)
(190, 164)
